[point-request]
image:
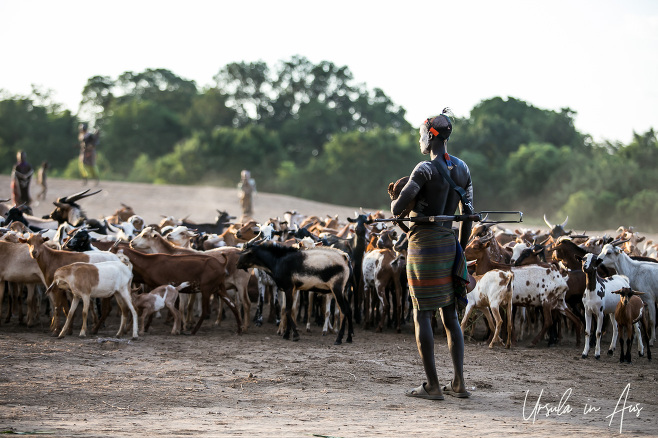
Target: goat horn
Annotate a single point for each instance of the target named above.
(544, 242)
(564, 224)
(486, 237)
(255, 240)
(547, 222)
(619, 242)
(77, 196)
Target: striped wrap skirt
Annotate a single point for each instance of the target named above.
(436, 267)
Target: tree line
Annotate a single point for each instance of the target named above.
(313, 131)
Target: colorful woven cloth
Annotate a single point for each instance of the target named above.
(436, 268)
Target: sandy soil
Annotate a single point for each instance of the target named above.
(217, 383)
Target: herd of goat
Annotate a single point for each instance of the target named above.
(354, 272)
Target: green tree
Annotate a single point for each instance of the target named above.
(248, 87)
(208, 111)
(160, 86)
(139, 127)
(98, 95)
(306, 103)
(36, 125)
(639, 210)
(355, 168)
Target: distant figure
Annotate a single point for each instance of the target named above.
(42, 180)
(21, 175)
(88, 142)
(246, 190)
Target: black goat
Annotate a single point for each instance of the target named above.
(221, 221)
(318, 269)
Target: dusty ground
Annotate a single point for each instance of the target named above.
(217, 383)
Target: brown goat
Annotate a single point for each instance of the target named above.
(630, 310)
(205, 273)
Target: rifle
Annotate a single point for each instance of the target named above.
(482, 217)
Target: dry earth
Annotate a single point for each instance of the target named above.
(217, 383)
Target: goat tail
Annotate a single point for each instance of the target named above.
(183, 285)
(640, 316)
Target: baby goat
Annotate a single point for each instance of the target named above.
(160, 297)
(630, 310)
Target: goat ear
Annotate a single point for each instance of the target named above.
(637, 292)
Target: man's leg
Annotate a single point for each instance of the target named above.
(83, 171)
(455, 345)
(425, 343)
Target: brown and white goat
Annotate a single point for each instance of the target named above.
(162, 296)
(381, 269)
(493, 290)
(96, 280)
(49, 260)
(630, 310)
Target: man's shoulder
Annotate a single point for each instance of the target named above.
(424, 168)
(459, 162)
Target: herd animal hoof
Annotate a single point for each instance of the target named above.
(598, 357)
(584, 356)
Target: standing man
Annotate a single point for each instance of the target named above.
(42, 180)
(87, 163)
(246, 190)
(436, 268)
(21, 176)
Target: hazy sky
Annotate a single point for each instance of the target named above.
(599, 58)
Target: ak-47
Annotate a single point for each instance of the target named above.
(482, 217)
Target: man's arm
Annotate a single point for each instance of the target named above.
(466, 227)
